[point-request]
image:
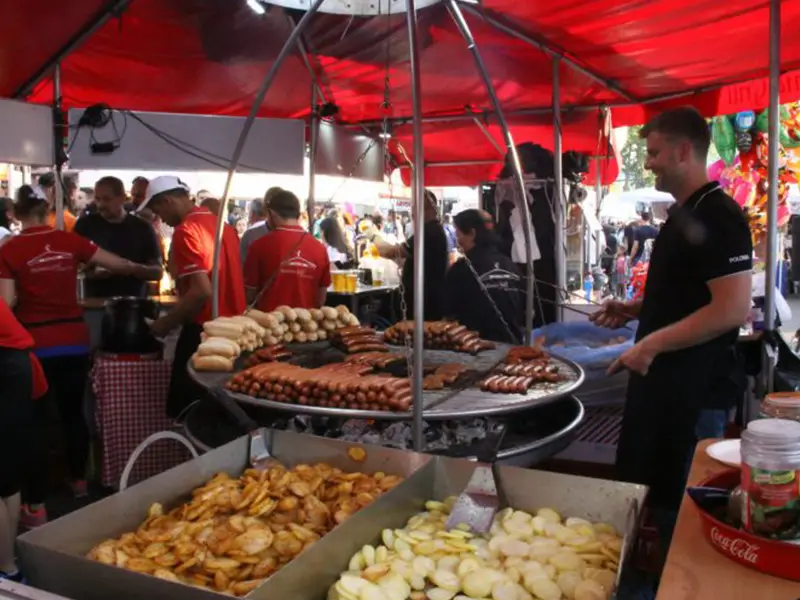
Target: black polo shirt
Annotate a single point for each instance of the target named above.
(435, 261)
(132, 238)
(705, 238)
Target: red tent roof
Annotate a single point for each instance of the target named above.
(209, 57)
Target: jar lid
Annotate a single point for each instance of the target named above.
(773, 429)
(783, 400)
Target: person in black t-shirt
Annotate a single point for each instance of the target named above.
(492, 273)
(696, 298)
(124, 234)
(435, 263)
(641, 234)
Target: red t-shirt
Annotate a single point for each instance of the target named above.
(301, 269)
(43, 262)
(12, 334)
(192, 251)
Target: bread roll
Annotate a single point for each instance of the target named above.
(295, 328)
(212, 363)
(329, 313)
(316, 314)
(303, 315)
(310, 326)
(289, 313)
(351, 320)
(266, 320)
(288, 338)
(216, 346)
(322, 335)
(271, 340)
(223, 328)
(312, 336)
(342, 310)
(278, 316)
(300, 337)
(328, 325)
(248, 324)
(339, 324)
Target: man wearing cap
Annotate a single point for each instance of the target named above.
(287, 266)
(190, 262)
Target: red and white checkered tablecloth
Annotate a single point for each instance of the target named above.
(131, 405)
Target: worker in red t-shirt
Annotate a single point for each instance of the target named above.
(38, 276)
(287, 266)
(17, 426)
(190, 262)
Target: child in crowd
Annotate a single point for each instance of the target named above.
(620, 275)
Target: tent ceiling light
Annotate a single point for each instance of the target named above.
(357, 7)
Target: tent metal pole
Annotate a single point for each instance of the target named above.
(515, 33)
(560, 254)
(772, 168)
(489, 137)
(457, 163)
(598, 192)
(511, 151)
(288, 47)
(58, 190)
(312, 159)
(418, 199)
(304, 56)
(111, 9)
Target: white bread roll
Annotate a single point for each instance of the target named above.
(216, 346)
(329, 313)
(212, 363)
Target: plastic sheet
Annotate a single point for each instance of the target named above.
(593, 348)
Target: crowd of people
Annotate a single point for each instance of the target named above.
(627, 245)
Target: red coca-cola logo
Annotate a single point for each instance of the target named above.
(736, 547)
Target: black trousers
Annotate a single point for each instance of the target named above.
(66, 377)
(183, 390)
(16, 419)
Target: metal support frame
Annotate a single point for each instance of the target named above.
(58, 188)
(288, 46)
(111, 9)
(485, 131)
(456, 163)
(312, 159)
(559, 209)
(772, 170)
(598, 192)
(516, 166)
(304, 56)
(418, 199)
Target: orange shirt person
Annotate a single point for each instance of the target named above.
(47, 182)
(287, 266)
(190, 262)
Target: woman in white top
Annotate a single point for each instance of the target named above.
(335, 243)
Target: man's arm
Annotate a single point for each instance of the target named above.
(154, 263)
(390, 251)
(728, 309)
(322, 295)
(198, 292)
(634, 248)
(8, 291)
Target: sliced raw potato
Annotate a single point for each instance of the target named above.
(439, 594)
(588, 589)
(446, 580)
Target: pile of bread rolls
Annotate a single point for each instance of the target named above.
(224, 339)
(286, 325)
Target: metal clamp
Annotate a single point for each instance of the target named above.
(260, 445)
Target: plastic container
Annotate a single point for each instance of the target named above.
(783, 405)
(771, 479)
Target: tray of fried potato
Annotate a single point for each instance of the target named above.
(565, 537)
(213, 525)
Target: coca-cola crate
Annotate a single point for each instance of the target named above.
(777, 558)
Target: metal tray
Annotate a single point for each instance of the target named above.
(53, 556)
(533, 435)
(593, 499)
(444, 404)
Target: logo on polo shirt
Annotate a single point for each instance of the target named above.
(50, 260)
(737, 259)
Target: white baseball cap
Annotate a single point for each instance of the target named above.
(161, 184)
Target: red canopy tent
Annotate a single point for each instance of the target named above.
(209, 56)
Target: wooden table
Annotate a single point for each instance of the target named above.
(696, 571)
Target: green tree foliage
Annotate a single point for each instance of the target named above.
(634, 153)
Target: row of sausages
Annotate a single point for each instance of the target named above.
(332, 386)
(505, 384)
(444, 335)
(540, 371)
(353, 340)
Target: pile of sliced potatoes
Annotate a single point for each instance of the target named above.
(523, 557)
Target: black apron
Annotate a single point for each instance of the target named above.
(183, 390)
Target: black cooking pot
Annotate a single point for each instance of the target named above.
(125, 330)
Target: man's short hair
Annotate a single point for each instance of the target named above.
(257, 208)
(140, 179)
(684, 122)
(47, 180)
(284, 204)
(114, 184)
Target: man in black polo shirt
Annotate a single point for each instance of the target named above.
(124, 234)
(696, 297)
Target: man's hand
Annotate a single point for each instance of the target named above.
(613, 315)
(161, 327)
(637, 359)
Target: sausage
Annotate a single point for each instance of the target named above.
(367, 347)
(486, 384)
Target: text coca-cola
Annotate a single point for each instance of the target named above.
(736, 547)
